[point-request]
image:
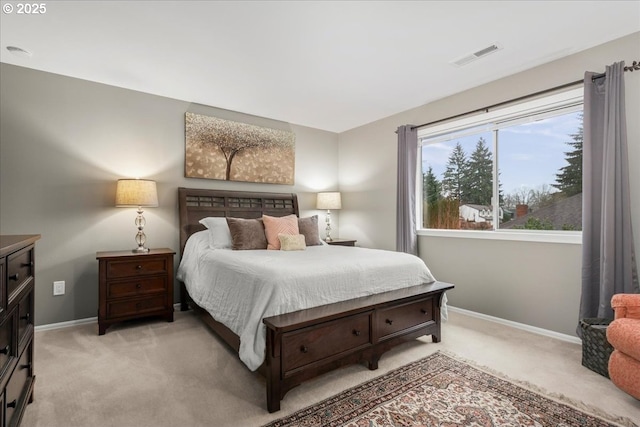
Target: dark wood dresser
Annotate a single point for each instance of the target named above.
(17, 278)
(134, 285)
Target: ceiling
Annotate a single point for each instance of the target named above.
(327, 65)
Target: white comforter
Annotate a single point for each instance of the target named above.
(240, 288)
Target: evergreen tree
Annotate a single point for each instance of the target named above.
(569, 180)
(431, 187)
(479, 182)
(454, 179)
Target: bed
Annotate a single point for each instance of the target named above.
(299, 338)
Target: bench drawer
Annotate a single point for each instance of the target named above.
(312, 344)
(397, 319)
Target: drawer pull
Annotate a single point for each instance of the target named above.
(14, 277)
(304, 349)
(25, 317)
(138, 267)
(389, 321)
(423, 311)
(5, 350)
(27, 264)
(12, 404)
(138, 286)
(356, 332)
(25, 366)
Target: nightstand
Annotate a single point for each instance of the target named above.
(134, 285)
(342, 242)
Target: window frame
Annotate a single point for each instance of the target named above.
(492, 121)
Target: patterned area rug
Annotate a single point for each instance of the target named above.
(440, 390)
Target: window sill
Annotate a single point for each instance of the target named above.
(571, 237)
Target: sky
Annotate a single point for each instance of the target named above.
(530, 154)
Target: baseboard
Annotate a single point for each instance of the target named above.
(67, 324)
(525, 327)
(70, 323)
(529, 328)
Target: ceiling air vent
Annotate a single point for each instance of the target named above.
(476, 55)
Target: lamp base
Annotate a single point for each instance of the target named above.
(141, 250)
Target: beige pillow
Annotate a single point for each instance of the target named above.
(246, 234)
(279, 225)
(309, 227)
(292, 242)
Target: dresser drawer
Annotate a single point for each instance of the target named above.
(139, 286)
(2, 285)
(399, 318)
(309, 345)
(18, 387)
(19, 271)
(25, 318)
(139, 267)
(137, 306)
(7, 347)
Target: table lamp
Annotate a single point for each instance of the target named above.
(139, 193)
(329, 200)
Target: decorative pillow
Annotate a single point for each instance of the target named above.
(309, 228)
(219, 234)
(291, 242)
(247, 234)
(279, 225)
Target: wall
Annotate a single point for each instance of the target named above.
(65, 142)
(533, 283)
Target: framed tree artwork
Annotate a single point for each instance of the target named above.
(232, 151)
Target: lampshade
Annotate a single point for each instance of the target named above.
(136, 192)
(329, 200)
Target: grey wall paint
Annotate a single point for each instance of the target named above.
(533, 283)
(63, 144)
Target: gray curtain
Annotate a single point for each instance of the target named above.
(608, 259)
(406, 238)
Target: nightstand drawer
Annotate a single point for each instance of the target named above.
(406, 316)
(138, 267)
(137, 306)
(19, 271)
(309, 345)
(140, 286)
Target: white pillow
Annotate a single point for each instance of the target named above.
(219, 234)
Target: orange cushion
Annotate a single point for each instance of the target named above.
(624, 371)
(279, 225)
(624, 335)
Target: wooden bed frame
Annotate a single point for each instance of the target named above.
(307, 343)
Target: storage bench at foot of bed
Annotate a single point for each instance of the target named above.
(307, 343)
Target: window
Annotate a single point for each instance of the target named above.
(514, 169)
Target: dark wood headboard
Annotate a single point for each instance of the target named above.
(195, 204)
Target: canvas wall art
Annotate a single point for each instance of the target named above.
(233, 151)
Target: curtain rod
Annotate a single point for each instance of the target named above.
(634, 66)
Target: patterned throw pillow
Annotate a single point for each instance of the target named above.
(279, 225)
(291, 242)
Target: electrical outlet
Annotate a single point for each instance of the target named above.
(58, 288)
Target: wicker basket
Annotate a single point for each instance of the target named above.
(595, 347)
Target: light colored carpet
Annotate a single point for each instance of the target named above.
(154, 373)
